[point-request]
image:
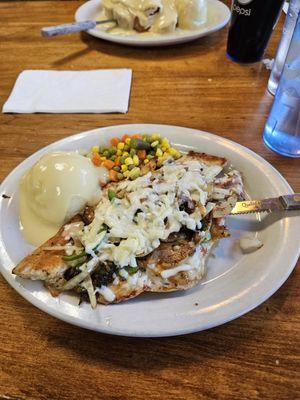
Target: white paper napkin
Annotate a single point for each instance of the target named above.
(98, 91)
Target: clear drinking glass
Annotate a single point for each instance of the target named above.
(287, 32)
(282, 131)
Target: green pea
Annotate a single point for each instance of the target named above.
(117, 168)
(113, 158)
(134, 173)
(120, 176)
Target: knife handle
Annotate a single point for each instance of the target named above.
(59, 30)
(291, 202)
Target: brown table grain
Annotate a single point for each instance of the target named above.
(193, 85)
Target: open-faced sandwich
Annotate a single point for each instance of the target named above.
(147, 234)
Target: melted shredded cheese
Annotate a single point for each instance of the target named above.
(106, 292)
(149, 211)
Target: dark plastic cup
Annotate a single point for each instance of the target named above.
(251, 26)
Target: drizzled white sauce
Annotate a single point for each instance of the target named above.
(191, 263)
(172, 15)
(173, 271)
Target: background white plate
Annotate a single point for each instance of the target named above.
(218, 17)
(234, 283)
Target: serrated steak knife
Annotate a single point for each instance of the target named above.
(281, 203)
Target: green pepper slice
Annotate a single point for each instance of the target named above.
(131, 270)
(74, 257)
(111, 194)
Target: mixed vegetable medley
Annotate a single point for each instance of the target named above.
(133, 156)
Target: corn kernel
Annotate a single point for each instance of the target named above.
(174, 153)
(128, 161)
(165, 143)
(95, 149)
(159, 153)
(126, 174)
(146, 161)
(127, 141)
(135, 173)
(124, 168)
(164, 148)
(125, 153)
(120, 146)
(154, 144)
(160, 161)
(102, 158)
(119, 152)
(149, 140)
(136, 160)
(155, 136)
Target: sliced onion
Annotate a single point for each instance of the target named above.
(87, 268)
(88, 285)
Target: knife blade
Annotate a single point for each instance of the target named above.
(275, 204)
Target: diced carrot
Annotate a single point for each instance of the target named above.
(136, 136)
(141, 154)
(114, 141)
(96, 159)
(109, 164)
(113, 175)
(124, 137)
(117, 162)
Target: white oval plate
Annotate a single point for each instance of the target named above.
(218, 17)
(234, 283)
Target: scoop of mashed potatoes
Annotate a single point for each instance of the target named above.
(55, 189)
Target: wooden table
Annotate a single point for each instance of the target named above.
(194, 85)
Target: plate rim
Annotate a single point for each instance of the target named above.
(123, 332)
(133, 40)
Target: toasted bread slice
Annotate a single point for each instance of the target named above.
(44, 263)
